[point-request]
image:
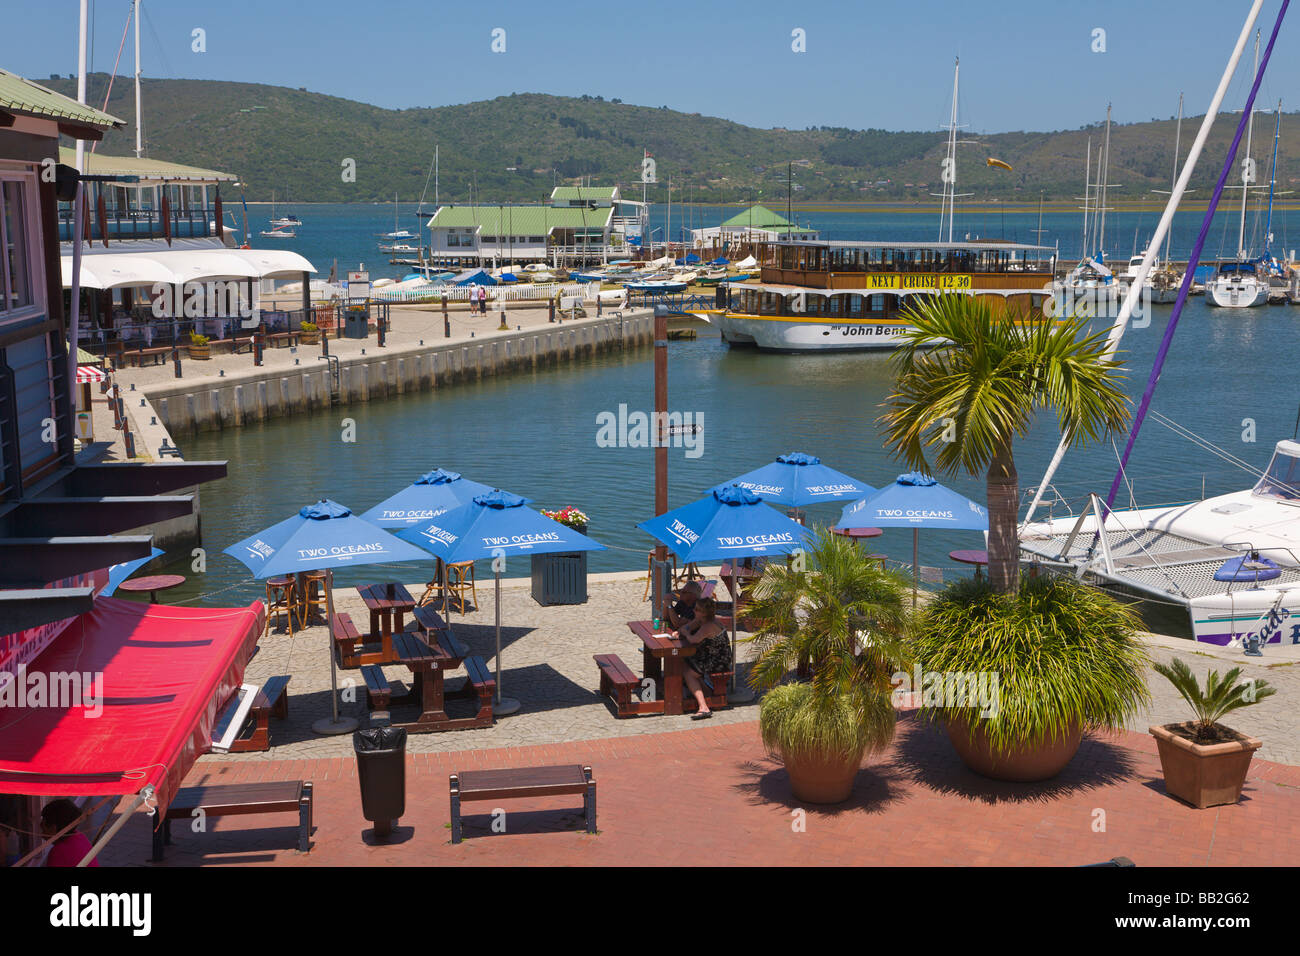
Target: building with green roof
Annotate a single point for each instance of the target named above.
(755, 224)
(510, 233)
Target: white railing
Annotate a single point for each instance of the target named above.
(524, 292)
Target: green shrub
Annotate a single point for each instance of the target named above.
(1064, 654)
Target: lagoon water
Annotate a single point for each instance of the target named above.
(534, 433)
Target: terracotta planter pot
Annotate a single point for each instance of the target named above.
(822, 781)
(1021, 764)
(1204, 775)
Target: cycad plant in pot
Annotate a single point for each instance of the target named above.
(1062, 657)
(834, 612)
(1204, 762)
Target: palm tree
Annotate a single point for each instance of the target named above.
(835, 611)
(971, 376)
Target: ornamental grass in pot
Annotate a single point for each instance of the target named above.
(1064, 659)
(834, 614)
(1205, 763)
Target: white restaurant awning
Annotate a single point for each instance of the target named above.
(115, 270)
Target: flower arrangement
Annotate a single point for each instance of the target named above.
(569, 517)
(199, 340)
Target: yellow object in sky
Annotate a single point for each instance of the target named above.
(999, 163)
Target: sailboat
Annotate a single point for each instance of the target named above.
(280, 228)
(396, 234)
(1165, 279)
(1237, 283)
(1092, 273)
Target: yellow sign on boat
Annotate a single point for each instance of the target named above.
(917, 280)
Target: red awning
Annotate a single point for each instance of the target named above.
(165, 672)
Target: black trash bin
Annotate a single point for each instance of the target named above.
(381, 771)
(355, 323)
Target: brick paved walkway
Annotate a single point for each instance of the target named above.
(710, 795)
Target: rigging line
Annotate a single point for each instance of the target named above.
(1132, 497)
(1206, 444)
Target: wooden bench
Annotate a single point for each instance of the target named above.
(272, 700)
(378, 692)
(484, 684)
(156, 356)
(522, 782)
(347, 640)
(282, 339)
(226, 800)
(618, 682)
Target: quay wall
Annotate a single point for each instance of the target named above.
(213, 403)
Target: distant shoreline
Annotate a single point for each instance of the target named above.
(894, 205)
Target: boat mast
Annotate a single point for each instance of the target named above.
(1104, 161)
(1272, 183)
(950, 171)
(1178, 134)
(139, 133)
(1087, 194)
(1247, 167)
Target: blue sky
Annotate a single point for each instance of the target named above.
(1025, 65)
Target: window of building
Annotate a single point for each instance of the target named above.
(21, 300)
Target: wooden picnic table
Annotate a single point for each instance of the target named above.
(387, 604)
(857, 534)
(151, 584)
(662, 657)
(737, 576)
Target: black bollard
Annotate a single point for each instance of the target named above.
(446, 321)
(551, 311)
(176, 360)
(257, 347)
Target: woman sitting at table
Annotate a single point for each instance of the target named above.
(712, 655)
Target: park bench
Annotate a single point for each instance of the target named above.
(236, 799)
(484, 684)
(272, 700)
(522, 782)
(617, 681)
(379, 693)
(281, 339)
(156, 356)
(348, 641)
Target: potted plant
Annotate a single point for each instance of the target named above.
(561, 577)
(570, 517)
(834, 614)
(309, 333)
(1204, 762)
(1061, 658)
(199, 347)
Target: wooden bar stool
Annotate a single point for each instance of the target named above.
(650, 572)
(281, 597)
(460, 581)
(312, 597)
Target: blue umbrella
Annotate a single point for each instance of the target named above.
(797, 479)
(118, 573)
(495, 525)
(729, 522)
(431, 495)
(324, 535)
(917, 501)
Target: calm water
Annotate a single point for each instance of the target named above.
(535, 433)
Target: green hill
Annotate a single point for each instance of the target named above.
(517, 147)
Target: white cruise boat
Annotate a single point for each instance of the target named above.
(1233, 561)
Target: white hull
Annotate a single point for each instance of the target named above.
(1173, 553)
(1234, 293)
(784, 334)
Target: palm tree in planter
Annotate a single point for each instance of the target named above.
(1204, 762)
(1061, 657)
(971, 378)
(834, 613)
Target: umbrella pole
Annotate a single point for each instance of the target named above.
(334, 724)
(916, 571)
(504, 705)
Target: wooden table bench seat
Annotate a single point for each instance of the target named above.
(522, 782)
(272, 700)
(282, 339)
(378, 692)
(484, 686)
(156, 356)
(619, 683)
(282, 796)
(352, 647)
